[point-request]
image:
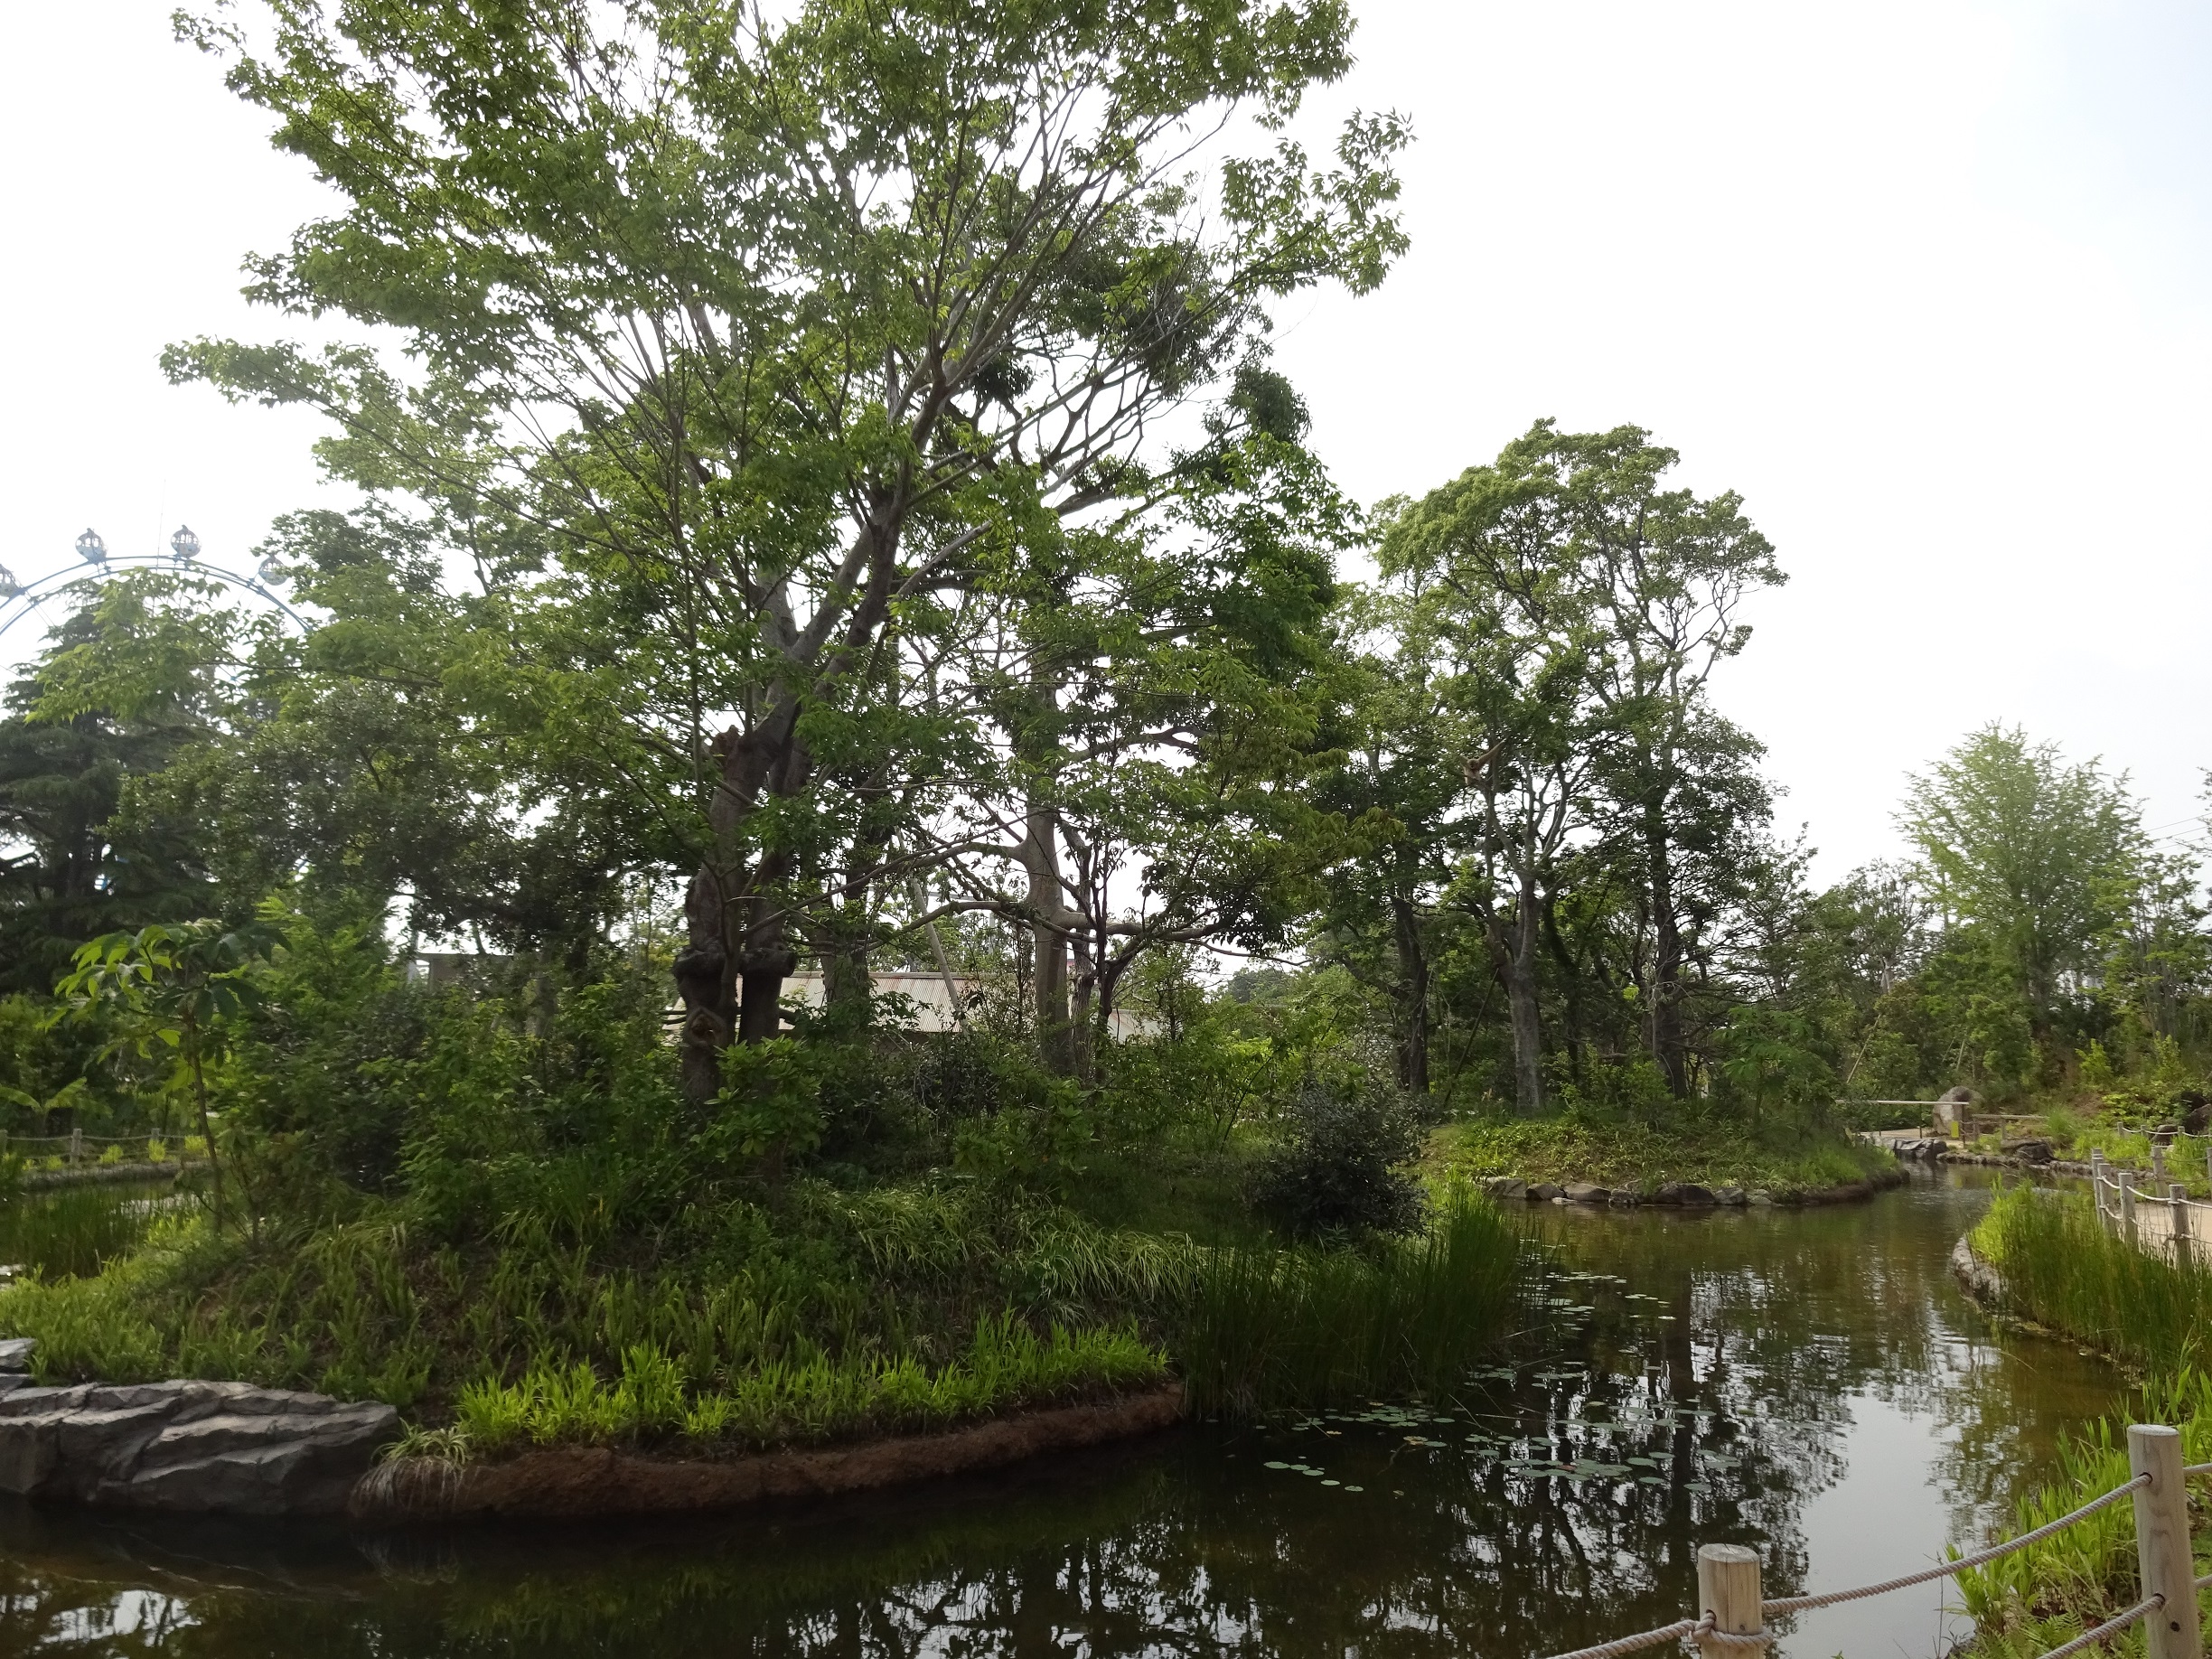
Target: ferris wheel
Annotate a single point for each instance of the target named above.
(21, 599)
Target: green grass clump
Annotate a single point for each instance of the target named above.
(2044, 1596)
(1006, 1366)
(94, 1325)
(1308, 1326)
(1634, 1156)
(2061, 1269)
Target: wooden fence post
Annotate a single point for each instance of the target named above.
(75, 1148)
(2162, 1542)
(2158, 1162)
(2176, 1206)
(1728, 1589)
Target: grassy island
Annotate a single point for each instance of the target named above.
(1637, 1157)
(493, 1209)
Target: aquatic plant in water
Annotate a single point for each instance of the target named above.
(1308, 1326)
(2061, 1269)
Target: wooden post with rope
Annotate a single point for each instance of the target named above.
(2162, 1542)
(1728, 1589)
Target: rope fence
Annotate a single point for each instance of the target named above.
(2158, 1216)
(1733, 1614)
(78, 1149)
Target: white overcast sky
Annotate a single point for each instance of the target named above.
(1924, 282)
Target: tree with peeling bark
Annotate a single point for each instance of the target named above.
(752, 354)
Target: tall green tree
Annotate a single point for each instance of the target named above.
(1670, 572)
(2042, 858)
(1570, 612)
(1499, 609)
(743, 349)
(126, 684)
(1160, 710)
(1395, 786)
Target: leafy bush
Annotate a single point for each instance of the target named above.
(1338, 1169)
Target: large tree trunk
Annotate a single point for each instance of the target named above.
(1047, 903)
(1668, 1046)
(737, 955)
(847, 983)
(707, 978)
(736, 958)
(1083, 1044)
(1413, 987)
(848, 939)
(1512, 958)
(764, 964)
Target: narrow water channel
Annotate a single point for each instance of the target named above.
(1810, 1383)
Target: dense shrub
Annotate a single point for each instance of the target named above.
(1345, 1137)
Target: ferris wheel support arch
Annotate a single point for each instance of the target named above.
(19, 601)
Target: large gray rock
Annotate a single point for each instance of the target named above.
(1587, 1192)
(15, 1352)
(188, 1447)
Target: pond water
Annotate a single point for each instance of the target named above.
(1810, 1383)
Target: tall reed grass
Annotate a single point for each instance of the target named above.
(71, 1231)
(2061, 1269)
(1263, 1328)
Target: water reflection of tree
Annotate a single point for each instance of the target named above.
(1778, 1323)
